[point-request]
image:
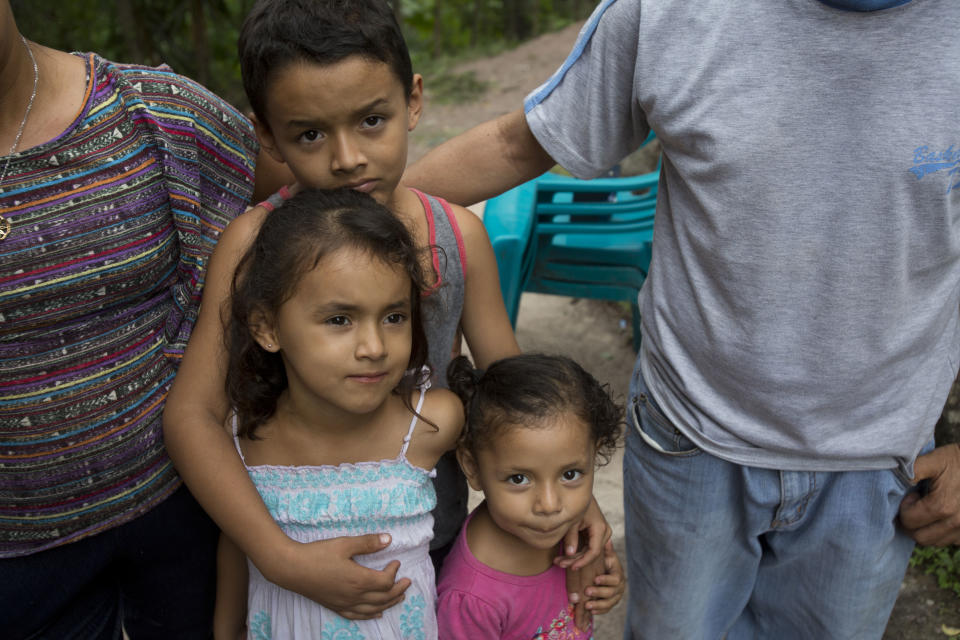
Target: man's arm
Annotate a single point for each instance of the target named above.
(483, 162)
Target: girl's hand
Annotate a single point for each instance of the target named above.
(577, 584)
(597, 531)
(609, 586)
(326, 572)
(584, 565)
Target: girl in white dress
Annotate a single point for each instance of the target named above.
(332, 416)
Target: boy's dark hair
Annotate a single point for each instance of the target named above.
(277, 33)
(291, 242)
(528, 390)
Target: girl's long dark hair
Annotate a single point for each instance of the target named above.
(528, 390)
(292, 241)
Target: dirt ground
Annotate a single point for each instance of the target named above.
(597, 334)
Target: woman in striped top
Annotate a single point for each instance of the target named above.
(115, 182)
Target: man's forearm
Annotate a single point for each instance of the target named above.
(482, 162)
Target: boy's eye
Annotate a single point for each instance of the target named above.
(372, 121)
(339, 321)
(518, 479)
(572, 474)
(395, 318)
(311, 135)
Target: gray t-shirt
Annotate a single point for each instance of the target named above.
(801, 310)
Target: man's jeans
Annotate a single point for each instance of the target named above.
(717, 548)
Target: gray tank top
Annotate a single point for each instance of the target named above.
(442, 308)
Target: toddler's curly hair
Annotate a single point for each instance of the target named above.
(528, 390)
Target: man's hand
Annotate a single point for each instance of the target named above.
(934, 519)
(326, 572)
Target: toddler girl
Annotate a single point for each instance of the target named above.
(338, 433)
(536, 426)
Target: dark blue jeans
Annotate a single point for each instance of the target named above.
(154, 576)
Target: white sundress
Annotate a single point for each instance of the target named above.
(313, 503)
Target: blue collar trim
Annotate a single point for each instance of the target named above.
(864, 5)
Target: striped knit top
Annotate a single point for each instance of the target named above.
(113, 223)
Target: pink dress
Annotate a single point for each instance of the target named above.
(475, 601)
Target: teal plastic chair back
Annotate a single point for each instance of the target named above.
(579, 238)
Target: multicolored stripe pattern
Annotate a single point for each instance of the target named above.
(100, 281)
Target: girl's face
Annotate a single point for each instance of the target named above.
(537, 481)
(345, 335)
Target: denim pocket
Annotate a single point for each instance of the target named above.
(905, 480)
(657, 431)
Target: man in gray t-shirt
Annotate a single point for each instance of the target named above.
(800, 320)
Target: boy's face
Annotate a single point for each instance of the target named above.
(341, 125)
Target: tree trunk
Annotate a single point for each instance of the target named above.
(517, 22)
(476, 28)
(136, 38)
(437, 28)
(201, 43)
(948, 427)
(398, 11)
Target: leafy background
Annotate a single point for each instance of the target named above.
(198, 37)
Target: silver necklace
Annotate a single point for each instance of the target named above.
(5, 225)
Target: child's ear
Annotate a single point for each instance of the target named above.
(469, 465)
(263, 331)
(415, 102)
(267, 142)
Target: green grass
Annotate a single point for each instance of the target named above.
(942, 562)
(448, 87)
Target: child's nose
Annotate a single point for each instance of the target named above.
(548, 500)
(370, 344)
(347, 155)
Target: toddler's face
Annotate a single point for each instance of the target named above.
(537, 480)
(343, 124)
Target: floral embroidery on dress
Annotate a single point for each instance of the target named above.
(312, 503)
(260, 626)
(350, 503)
(338, 628)
(562, 628)
(411, 620)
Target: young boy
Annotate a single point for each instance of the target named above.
(334, 97)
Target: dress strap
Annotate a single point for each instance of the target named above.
(234, 427)
(413, 423)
